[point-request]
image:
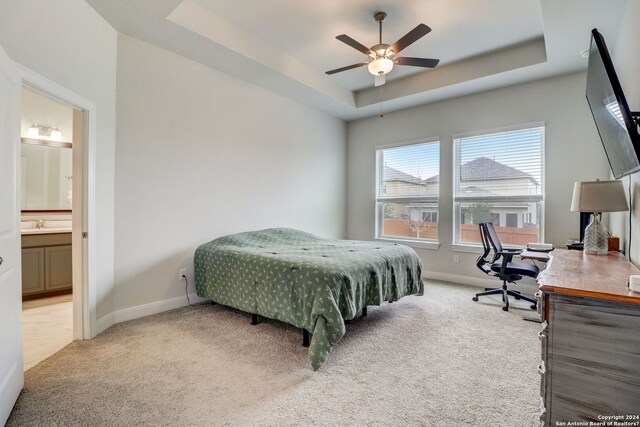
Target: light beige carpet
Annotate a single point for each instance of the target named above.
(437, 360)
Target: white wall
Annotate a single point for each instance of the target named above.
(38, 110)
(626, 60)
(70, 44)
(201, 154)
(573, 152)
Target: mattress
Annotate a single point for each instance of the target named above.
(307, 281)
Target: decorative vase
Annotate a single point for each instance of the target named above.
(596, 238)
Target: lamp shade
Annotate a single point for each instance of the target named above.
(599, 196)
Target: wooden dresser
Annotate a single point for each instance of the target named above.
(590, 337)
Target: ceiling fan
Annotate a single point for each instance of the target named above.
(382, 56)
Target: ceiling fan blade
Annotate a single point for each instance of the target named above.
(354, 44)
(348, 67)
(413, 35)
(417, 62)
(379, 80)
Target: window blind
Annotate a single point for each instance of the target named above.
(498, 177)
(407, 189)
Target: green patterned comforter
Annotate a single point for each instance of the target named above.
(305, 280)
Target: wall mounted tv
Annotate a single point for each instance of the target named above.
(616, 124)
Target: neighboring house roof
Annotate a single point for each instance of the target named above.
(391, 174)
(483, 169)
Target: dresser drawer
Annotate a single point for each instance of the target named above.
(594, 358)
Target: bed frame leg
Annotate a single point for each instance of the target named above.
(364, 311)
(305, 338)
(254, 319)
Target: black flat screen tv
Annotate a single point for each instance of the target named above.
(614, 120)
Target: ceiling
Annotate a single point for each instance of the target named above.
(286, 45)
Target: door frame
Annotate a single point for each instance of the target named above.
(83, 213)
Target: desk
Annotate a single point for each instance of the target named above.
(590, 338)
(535, 255)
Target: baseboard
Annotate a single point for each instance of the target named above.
(472, 281)
(135, 312)
(104, 323)
(460, 279)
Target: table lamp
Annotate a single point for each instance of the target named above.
(597, 197)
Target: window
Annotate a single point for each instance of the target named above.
(498, 177)
(407, 185)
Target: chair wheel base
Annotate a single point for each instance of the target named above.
(475, 299)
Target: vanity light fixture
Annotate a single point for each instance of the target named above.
(55, 134)
(40, 131)
(33, 131)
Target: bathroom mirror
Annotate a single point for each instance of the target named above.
(46, 172)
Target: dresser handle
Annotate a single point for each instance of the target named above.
(541, 368)
(544, 326)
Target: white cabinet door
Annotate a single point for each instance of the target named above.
(11, 370)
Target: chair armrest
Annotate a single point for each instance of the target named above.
(507, 256)
(510, 252)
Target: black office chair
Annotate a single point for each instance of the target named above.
(502, 267)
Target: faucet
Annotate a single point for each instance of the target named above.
(38, 224)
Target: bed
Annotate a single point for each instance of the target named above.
(310, 282)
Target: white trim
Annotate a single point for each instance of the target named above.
(527, 288)
(471, 249)
(412, 142)
(148, 309)
(502, 129)
(135, 312)
(475, 281)
(460, 279)
(84, 313)
(420, 244)
(104, 323)
(477, 249)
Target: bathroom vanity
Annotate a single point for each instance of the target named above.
(46, 262)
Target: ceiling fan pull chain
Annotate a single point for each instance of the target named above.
(381, 114)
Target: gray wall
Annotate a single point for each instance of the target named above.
(573, 152)
(69, 43)
(201, 154)
(626, 59)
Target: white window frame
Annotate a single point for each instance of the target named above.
(459, 246)
(378, 207)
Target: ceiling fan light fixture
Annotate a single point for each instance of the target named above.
(380, 66)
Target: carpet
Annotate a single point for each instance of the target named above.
(436, 360)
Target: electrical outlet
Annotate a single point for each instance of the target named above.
(182, 273)
(456, 259)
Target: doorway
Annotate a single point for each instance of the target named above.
(53, 213)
